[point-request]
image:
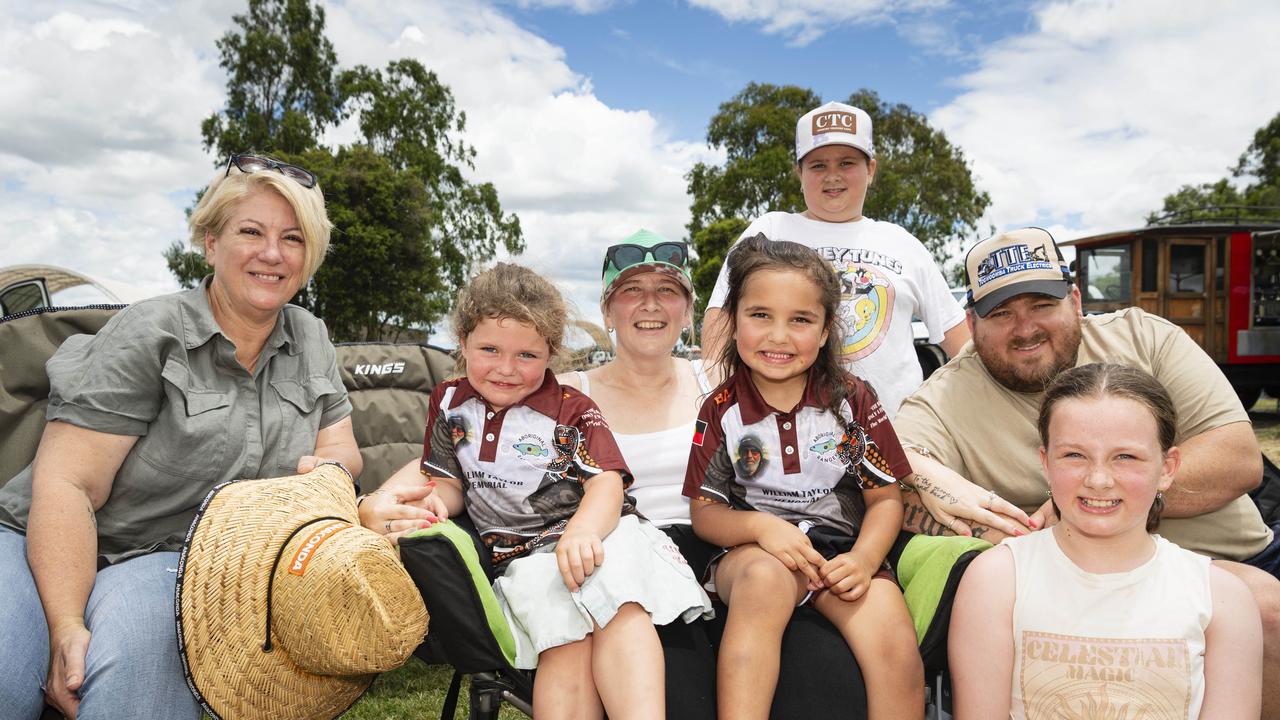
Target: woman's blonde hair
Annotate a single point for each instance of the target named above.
(512, 291)
(228, 190)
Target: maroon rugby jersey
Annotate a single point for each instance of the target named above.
(806, 464)
(522, 468)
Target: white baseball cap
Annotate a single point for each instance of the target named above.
(833, 124)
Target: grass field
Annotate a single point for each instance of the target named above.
(417, 690)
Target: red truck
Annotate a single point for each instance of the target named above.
(1216, 274)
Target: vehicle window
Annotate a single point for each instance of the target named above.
(1266, 280)
(22, 296)
(1105, 273)
(1186, 268)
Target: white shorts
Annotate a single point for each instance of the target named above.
(641, 565)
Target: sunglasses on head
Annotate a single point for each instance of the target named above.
(625, 255)
(253, 163)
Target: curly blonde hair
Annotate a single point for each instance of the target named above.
(512, 291)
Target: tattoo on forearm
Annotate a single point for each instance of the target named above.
(93, 515)
(924, 484)
(916, 518)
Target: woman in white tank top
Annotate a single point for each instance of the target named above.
(651, 400)
(1096, 617)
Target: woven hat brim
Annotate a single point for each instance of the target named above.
(222, 594)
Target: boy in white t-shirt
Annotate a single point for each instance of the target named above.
(887, 274)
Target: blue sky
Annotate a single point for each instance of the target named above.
(680, 62)
(1076, 115)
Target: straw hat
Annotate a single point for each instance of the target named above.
(341, 606)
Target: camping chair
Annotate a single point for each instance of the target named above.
(452, 569)
(469, 632)
(28, 340)
(929, 569)
(389, 385)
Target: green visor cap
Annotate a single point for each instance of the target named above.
(637, 255)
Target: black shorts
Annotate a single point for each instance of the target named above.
(829, 543)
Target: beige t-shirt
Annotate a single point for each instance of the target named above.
(987, 432)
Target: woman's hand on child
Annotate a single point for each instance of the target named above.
(792, 547)
(578, 553)
(394, 515)
(848, 575)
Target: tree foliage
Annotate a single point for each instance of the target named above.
(281, 86)
(922, 183)
(1255, 191)
(409, 226)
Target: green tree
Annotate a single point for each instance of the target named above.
(282, 91)
(923, 182)
(1255, 191)
(408, 225)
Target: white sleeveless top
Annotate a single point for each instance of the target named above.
(657, 461)
(1118, 645)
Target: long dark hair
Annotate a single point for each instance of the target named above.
(760, 253)
(1101, 380)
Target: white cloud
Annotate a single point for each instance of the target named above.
(803, 21)
(100, 109)
(579, 173)
(1103, 108)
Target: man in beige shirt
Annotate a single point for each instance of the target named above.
(970, 430)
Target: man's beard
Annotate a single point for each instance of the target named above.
(1033, 379)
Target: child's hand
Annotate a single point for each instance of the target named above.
(791, 546)
(848, 575)
(578, 553)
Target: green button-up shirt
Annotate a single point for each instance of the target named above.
(162, 370)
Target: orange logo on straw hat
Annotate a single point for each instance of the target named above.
(303, 556)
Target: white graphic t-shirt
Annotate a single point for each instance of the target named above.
(887, 277)
(1118, 645)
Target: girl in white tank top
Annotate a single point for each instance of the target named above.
(1096, 617)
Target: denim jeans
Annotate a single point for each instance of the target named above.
(132, 669)
(1269, 558)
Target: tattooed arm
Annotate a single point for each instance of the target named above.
(916, 519)
(957, 504)
(73, 474)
